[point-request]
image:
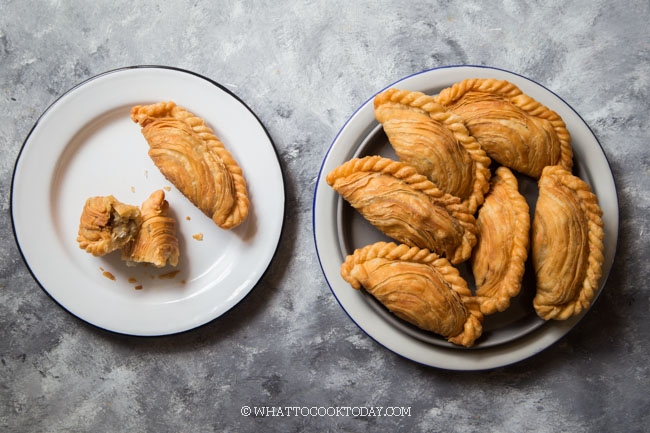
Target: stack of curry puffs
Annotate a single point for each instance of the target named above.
(428, 200)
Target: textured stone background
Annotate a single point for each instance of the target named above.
(304, 67)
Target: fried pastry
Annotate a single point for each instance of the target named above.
(156, 240)
(195, 161)
(502, 249)
(417, 286)
(406, 206)
(106, 225)
(436, 142)
(567, 245)
(513, 128)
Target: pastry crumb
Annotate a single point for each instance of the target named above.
(167, 188)
(101, 269)
(169, 275)
(198, 236)
(132, 189)
(132, 280)
(138, 287)
(183, 281)
(108, 275)
(188, 218)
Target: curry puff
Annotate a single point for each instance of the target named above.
(502, 249)
(435, 142)
(406, 206)
(513, 128)
(417, 286)
(155, 241)
(107, 225)
(190, 156)
(567, 245)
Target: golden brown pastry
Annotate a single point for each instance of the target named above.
(417, 286)
(195, 161)
(156, 240)
(567, 245)
(436, 142)
(406, 206)
(106, 225)
(502, 249)
(511, 127)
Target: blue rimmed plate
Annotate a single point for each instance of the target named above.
(85, 144)
(510, 336)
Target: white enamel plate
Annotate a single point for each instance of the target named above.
(86, 145)
(508, 337)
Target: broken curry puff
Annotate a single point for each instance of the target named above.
(155, 241)
(435, 142)
(500, 255)
(406, 206)
(567, 245)
(513, 128)
(106, 225)
(417, 286)
(189, 155)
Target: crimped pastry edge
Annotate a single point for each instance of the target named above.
(595, 233)
(472, 328)
(143, 114)
(455, 124)
(511, 283)
(517, 98)
(418, 182)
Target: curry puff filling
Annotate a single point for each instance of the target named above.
(106, 225)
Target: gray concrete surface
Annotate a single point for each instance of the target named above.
(304, 67)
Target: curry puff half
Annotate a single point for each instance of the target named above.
(155, 241)
(189, 155)
(567, 245)
(436, 143)
(406, 206)
(500, 255)
(417, 286)
(106, 225)
(513, 128)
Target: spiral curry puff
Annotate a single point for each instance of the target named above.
(417, 286)
(567, 245)
(500, 255)
(188, 154)
(513, 128)
(435, 141)
(406, 206)
(155, 241)
(107, 225)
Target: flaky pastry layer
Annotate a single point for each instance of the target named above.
(513, 128)
(106, 225)
(500, 255)
(436, 142)
(190, 156)
(567, 245)
(155, 241)
(417, 286)
(406, 206)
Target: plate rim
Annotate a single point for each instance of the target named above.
(116, 70)
(535, 352)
